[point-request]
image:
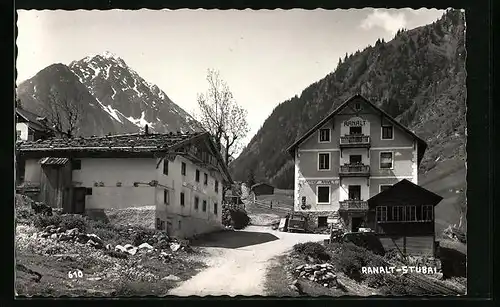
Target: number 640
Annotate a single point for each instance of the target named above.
(75, 274)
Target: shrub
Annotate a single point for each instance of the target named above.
(350, 259)
(70, 221)
(313, 249)
(42, 221)
(236, 217)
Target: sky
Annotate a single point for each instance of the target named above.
(265, 56)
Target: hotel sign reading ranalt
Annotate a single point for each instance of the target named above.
(355, 122)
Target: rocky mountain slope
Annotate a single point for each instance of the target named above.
(114, 98)
(418, 78)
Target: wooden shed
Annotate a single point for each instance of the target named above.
(262, 189)
(55, 182)
(403, 218)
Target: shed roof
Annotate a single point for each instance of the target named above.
(53, 161)
(404, 191)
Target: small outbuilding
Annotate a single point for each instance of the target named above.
(403, 218)
(262, 189)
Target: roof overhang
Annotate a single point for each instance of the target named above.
(421, 147)
(54, 161)
(404, 192)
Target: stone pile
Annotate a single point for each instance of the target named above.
(71, 235)
(320, 273)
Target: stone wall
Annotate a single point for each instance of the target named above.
(312, 221)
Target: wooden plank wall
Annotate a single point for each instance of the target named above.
(413, 245)
(53, 184)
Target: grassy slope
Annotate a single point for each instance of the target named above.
(446, 179)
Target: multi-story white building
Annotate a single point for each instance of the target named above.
(182, 175)
(351, 155)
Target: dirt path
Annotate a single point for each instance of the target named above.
(238, 261)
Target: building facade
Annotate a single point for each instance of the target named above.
(351, 155)
(181, 175)
(31, 127)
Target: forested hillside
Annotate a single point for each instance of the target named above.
(418, 77)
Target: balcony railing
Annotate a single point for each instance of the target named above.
(354, 170)
(355, 140)
(353, 205)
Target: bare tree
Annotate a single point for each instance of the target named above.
(63, 114)
(222, 116)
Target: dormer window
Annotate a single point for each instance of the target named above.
(324, 135)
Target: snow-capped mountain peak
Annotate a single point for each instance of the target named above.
(127, 97)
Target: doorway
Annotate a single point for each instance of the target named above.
(354, 192)
(354, 159)
(79, 200)
(356, 223)
(355, 130)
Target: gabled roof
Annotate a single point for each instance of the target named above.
(405, 190)
(33, 120)
(125, 143)
(422, 145)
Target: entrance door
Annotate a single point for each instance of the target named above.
(355, 130)
(356, 223)
(355, 192)
(355, 159)
(79, 200)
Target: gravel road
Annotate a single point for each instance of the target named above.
(238, 261)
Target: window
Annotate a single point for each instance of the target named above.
(323, 194)
(165, 167)
(196, 202)
(215, 208)
(324, 135)
(384, 187)
(324, 161)
(381, 213)
(386, 160)
(183, 169)
(204, 206)
(76, 164)
(355, 131)
(410, 213)
(322, 221)
(357, 106)
(18, 134)
(387, 133)
(216, 186)
(88, 191)
(166, 197)
(427, 211)
(398, 213)
(355, 159)
(205, 179)
(197, 178)
(182, 198)
(354, 192)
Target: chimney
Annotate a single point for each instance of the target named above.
(146, 129)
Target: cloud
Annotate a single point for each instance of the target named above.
(385, 20)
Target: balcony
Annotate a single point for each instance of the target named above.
(354, 170)
(354, 141)
(353, 205)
